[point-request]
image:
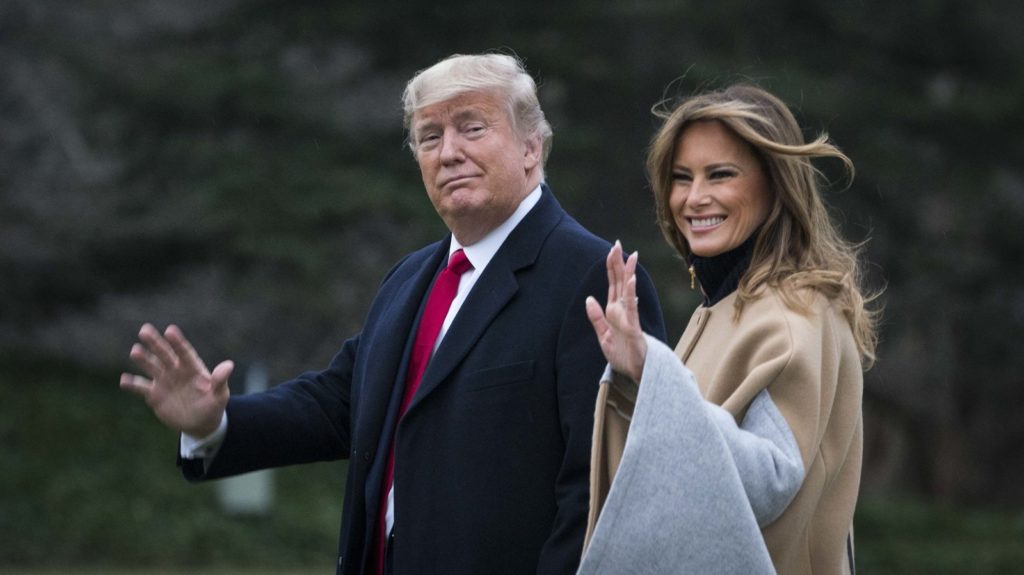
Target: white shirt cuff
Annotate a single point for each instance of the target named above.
(204, 447)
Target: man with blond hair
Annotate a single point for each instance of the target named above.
(465, 404)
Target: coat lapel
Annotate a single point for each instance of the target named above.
(492, 292)
(400, 319)
(384, 391)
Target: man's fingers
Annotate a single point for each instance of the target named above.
(146, 361)
(136, 384)
(158, 346)
(183, 349)
(221, 373)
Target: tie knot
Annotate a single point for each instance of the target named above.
(458, 263)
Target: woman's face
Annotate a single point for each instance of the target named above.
(720, 193)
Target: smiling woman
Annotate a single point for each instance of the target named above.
(749, 435)
(719, 192)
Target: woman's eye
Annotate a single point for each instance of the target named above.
(681, 177)
(721, 174)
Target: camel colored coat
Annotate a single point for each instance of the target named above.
(772, 361)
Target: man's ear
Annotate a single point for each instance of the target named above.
(533, 150)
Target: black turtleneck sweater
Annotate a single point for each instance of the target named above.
(720, 275)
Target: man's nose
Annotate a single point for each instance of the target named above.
(451, 147)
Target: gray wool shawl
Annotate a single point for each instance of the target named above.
(678, 502)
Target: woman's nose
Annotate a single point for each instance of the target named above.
(698, 195)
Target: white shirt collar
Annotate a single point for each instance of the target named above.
(481, 253)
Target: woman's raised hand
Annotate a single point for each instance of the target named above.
(618, 324)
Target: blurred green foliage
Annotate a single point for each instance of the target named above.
(88, 479)
(917, 537)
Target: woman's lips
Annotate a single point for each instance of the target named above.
(705, 222)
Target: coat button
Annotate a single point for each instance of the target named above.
(366, 456)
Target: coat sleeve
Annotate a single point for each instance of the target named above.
(765, 453)
(299, 421)
(677, 501)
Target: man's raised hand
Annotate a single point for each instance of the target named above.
(180, 390)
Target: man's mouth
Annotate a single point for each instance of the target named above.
(456, 179)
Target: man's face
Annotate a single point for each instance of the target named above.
(475, 168)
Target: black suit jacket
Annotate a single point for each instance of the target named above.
(492, 456)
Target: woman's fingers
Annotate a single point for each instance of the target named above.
(596, 316)
(617, 325)
(619, 271)
(623, 275)
(630, 265)
(614, 258)
(629, 300)
(629, 291)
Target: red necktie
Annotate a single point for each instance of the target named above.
(438, 303)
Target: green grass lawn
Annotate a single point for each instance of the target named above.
(88, 485)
